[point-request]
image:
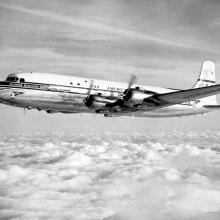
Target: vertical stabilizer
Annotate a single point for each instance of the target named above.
(207, 78)
(207, 75)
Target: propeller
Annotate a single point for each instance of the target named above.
(127, 92)
(130, 83)
(90, 87)
(126, 95)
(88, 94)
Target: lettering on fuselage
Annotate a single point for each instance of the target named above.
(30, 86)
(115, 89)
(95, 86)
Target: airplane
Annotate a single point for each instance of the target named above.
(68, 94)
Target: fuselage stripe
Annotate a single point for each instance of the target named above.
(46, 87)
(205, 80)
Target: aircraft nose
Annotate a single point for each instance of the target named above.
(1, 94)
(4, 95)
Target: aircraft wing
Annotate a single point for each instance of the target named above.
(160, 100)
(156, 101)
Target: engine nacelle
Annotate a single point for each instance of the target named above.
(135, 96)
(96, 102)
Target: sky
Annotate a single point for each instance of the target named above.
(162, 42)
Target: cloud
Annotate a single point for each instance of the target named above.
(96, 26)
(110, 176)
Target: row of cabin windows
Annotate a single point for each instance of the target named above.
(21, 80)
(78, 84)
(16, 79)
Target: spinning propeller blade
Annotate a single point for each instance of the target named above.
(90, 87)
(130, 83)
(126, 94)
(89, 90)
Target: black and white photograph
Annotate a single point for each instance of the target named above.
(110, 109)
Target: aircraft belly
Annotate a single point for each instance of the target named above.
(57, 101)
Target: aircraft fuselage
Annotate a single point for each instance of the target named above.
(67, 94)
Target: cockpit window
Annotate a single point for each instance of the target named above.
(22, 80)
(12, 79)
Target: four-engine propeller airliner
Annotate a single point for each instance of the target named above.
(67, 94)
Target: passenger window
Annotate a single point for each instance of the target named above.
(22, 80)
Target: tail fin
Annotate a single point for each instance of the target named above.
(207, 78)
(207, 75)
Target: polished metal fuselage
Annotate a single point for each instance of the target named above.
(55, 94)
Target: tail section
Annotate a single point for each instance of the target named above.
(207, 78)
(207, 75)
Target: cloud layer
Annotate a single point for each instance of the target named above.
(110, 176)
